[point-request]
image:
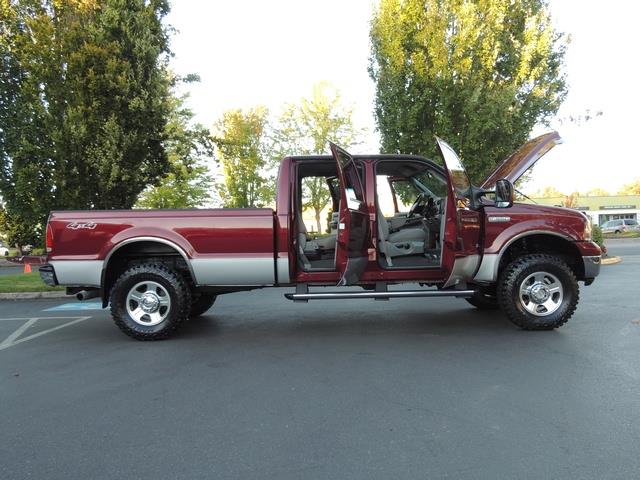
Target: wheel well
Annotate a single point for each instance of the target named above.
(142, 251)
(543, 243)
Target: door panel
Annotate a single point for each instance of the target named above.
(354, 224)
(460, 253)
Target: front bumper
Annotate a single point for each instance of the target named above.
(591, 268)
(48, 275)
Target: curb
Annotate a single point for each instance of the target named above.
(611, 260)
(33, 295)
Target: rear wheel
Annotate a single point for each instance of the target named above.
(201, 303)
(150, 301)
(538, 292)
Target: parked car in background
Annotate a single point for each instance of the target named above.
(620, 226)
(4, 251)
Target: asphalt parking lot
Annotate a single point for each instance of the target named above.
(264, 388)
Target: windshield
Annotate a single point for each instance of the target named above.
(458, 174)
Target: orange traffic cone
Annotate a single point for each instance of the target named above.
(27, 268)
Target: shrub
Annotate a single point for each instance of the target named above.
(598, 237)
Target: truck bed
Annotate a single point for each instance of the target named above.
(222, 246)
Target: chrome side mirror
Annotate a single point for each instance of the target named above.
(504, 193)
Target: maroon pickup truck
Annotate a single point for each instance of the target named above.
(398, 219)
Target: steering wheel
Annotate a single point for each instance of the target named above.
(431, 209)
(418, 206)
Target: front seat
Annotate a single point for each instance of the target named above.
(407, 241)
(322, 243)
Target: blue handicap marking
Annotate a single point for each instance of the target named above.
(75, 306)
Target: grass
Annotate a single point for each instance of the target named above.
(25, 282)
(622, 235)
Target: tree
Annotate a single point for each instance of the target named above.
(188, 183)
(240, 138)
(480, 74)
(597, 192)
(306, 128)
(83, 103)
(18, 230)
(571, 200)
(632, 188)
(549, 192)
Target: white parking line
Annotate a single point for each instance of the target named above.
(11, 338)
(14, 339)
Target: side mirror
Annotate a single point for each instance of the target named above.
(504, 193)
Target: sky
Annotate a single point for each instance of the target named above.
(252, 52)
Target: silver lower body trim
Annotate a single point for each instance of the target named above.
(282, 267)
(463, 268)
(488, 271)
(84, 273)
(238, 271)
(591, 266)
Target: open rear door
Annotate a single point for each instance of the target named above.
(460, 256)
(353, 224)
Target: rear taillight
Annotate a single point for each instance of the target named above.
(49, 241)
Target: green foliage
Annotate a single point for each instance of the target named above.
(596, 234)
(83, 103)
(329, 218)
(240, 140)
(405, 191)
(479, 74)
(25, 282)
(306, 128)
(20, 230)
(188, 183)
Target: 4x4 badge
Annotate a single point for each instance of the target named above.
(79, 225)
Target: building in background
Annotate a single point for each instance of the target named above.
(602, 209)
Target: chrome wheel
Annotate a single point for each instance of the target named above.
(541, 293)
(148, 303)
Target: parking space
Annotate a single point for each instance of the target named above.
(264, 388)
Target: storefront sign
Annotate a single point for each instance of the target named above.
(617, 207)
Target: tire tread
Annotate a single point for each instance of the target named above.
(177, 282)
(507, 281)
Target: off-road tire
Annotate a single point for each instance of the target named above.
(517, 271)
(201, 303)
(484, 299)
(172, 282)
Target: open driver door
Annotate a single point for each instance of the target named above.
(461, 242)
(353, 220)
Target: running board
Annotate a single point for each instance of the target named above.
(304, 297)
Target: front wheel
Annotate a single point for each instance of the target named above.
(149, 301)
(538, 292)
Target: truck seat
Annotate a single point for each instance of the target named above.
(407, 241)
(322, 243)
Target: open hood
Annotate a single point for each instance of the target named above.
(514, 166)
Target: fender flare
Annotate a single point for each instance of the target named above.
(488, 270)
(129, 241)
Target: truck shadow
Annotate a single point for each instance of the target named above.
(463, 322)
